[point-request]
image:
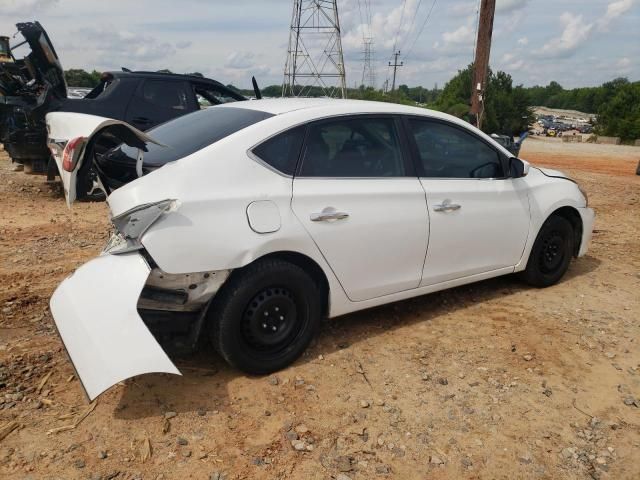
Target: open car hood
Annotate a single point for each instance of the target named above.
(43, 61)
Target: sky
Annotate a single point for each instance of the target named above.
(574, 42)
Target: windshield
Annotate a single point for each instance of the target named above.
(190, 133)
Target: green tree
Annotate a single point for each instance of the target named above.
(80, 78)
(506, 108)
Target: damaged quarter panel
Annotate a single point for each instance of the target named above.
(218, 189)
(102, 331)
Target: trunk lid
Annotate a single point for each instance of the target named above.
(65, 126)
(43, 58)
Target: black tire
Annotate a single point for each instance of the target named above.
(265, 316)
(551, 253)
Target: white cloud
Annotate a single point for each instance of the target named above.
(505, 6)
(515, 66)
(523, 41)
(574, 34)
(507, 57)
(110, 46)
(464, 8)
(387, 28)
(614, 10)
(623, 62)
(25, 7)
(623, 66)
(240, 60)
(461, 35)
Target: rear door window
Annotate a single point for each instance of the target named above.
(353, 147)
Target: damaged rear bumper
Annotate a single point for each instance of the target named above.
(95, 311)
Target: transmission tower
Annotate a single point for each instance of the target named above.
(368, 71)
(314, 56)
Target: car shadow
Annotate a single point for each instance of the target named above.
(203, 388)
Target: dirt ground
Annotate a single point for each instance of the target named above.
(494, 380)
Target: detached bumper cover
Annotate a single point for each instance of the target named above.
(95, 312)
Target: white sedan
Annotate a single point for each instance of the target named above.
(259, 220)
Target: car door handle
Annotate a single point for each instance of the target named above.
(446, 207)
(141, 120)
(328, 213)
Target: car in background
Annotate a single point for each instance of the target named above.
(264, 217)
(509, 143)
(35, 85)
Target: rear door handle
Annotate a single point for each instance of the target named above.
(328, 213)
(446, 206)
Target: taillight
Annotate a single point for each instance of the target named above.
(71, 153)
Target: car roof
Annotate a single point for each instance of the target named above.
(164, 75)
(307, 109)
(279, 106)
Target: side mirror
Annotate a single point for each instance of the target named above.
(518, 168)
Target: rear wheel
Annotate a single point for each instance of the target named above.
(265, 316)
(551, 253)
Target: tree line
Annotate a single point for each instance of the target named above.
(507, 106)
(616, 103)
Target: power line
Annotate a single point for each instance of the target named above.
(413, 22)
(395, 41)
(421, 29)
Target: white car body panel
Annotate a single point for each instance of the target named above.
(387, 240)
(65, 126)
(463, 242)
(546, 195)
(100, 326)
(233, 210)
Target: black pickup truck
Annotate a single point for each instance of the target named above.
(33, 86)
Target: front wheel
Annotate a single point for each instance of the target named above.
(264, 318)
(551, 253)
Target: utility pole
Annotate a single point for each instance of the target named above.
(395, 65)
(481, 61)
(314, 56)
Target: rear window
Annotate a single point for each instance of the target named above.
(190, 133)
(281, 152)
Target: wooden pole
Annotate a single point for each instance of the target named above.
(481, 62)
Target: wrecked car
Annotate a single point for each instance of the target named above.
(35, 85)
(252, 230)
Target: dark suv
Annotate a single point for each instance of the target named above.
(35, 85)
